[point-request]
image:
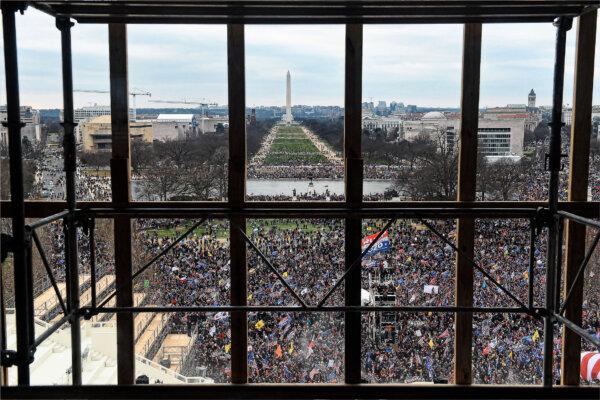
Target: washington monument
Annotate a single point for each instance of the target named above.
(288, 118)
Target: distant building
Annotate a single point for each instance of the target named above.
(531, 99)
(85, 114)
(211, 124)
(90, 112)
(432, 124)
(97, 133)
(174, 126)
(501, 138)
(520, 112)
(32, 129)
(567, 115)
(529, 114)
(497, 137)
(384, 123)
(411, 108)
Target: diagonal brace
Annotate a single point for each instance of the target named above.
(272, 268)
(582, 266)
(355, 263)
(581, 332)
(159, 255)
(38, 245)
(473, 263)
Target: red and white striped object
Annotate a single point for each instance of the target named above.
(590, 366)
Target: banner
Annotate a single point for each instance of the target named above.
(382, 245)
(285, 321)
(431, 289)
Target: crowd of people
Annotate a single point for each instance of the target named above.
(417, 269)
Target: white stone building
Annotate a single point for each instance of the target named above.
(497, 137)
(32, 129)
(174, 126)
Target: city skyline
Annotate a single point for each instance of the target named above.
(413, 64)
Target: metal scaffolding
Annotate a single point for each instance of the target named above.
(550, 215)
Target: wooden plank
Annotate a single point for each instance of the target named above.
(265, 391)
(236, 196)
(353, 177)
(467, 176)
(121, 195)
(578, 185)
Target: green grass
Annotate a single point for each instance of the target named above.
(292, 147)
(290, 130)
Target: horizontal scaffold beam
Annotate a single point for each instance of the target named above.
(314, 11)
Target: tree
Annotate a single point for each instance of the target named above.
(541, 132)
(484, 176)
(98, 160)
(141, 155)
(188, 169)
(176, 151)
(165, 182)
(255, 133)
(506, 177)
(27, 147)
(433, 172)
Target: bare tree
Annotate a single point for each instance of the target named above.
(164, 183)
(433, 172)
(506, 177)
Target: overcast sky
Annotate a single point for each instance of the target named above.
(414, 64)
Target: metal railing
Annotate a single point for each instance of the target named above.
(538, 219)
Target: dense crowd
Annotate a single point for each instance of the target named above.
(417, 269)
(371, 172)
(305, 347)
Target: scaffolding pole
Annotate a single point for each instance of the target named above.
(64, 25)
(554, 165)
(23, 298)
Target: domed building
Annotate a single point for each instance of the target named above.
(433, 116)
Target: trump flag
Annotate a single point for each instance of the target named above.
(382, 245)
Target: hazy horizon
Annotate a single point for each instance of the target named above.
(412, 64)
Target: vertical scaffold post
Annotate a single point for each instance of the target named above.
(467, 176)
(562, 26)
(23, 298)
(121, 196)
(353, 175)
(64, 25)
(236, 195)
(578, 187)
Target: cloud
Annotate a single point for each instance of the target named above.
(417, 64)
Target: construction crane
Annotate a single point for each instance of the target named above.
(133, 94)
(202, 104)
